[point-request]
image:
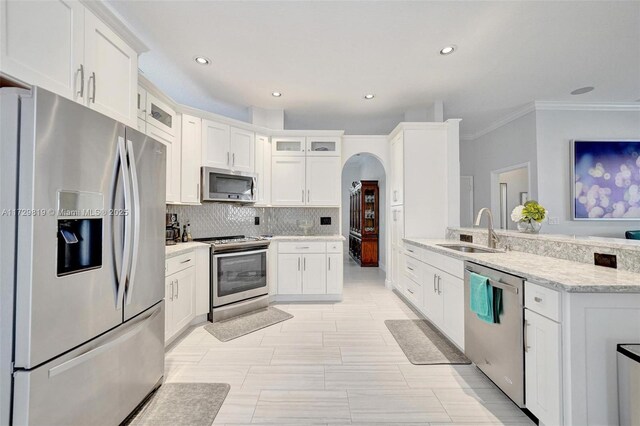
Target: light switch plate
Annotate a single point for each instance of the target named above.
(554, 220)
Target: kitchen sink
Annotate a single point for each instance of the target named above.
(469, 249)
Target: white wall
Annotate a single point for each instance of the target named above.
(509, 145)
(555, 130)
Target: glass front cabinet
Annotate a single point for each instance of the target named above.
(364, 211)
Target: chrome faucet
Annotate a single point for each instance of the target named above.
(492, 237)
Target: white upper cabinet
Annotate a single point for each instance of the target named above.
(172, 145)
(159, 114)
(242, 148)
(63, 47)
(226, 147)
(288, 181)
(288, 146)
(323, 146)
(112, 67)
(263, 169)
(323, 181)
(215, 144)
(397, 170)
(43, 44)
(190, 166)
(141, 103)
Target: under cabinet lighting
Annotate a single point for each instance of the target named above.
(276, 94)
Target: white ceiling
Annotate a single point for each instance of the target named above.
(325, 55)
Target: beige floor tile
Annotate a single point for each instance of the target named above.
(307, 326)
(353, 338)
(290, 377)
(235, 356)
(364, 377)
(231, 374)
(293, 339)
(300, 407)
(343, 315)
(376, 355)
(237, 408)
(302, 355)
(374, 406)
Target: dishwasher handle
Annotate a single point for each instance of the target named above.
(504, 286)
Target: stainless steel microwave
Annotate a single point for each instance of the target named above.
(222, 185)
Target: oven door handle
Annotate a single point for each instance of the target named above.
(240, 253)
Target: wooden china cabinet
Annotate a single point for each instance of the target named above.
(364, 222)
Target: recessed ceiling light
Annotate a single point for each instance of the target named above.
(582, 90)
(276, 94)
(369, 96)
(447, 50)
(202, 60)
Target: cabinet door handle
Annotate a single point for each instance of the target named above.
(81, 72)
(526, 340)
(186, 261)
(92, 79)
(308, 195)
(233, 159)
(228, 161)
(171, 290)
(435, 290)
(177, 289)
(304, 261)
(303, 195)
(410, 268)
(298, 264)
(538, 299)
(439, 280)
(410, 291)
(329, 263)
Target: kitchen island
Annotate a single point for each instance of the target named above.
(574, 316)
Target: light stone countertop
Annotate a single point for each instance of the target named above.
(550, 272)
(179, 248)
(307, 238)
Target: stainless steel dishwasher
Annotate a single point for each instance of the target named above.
(498, 349)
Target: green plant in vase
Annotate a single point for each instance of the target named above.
(529, 217)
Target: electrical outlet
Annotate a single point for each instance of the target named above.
(554, 220)
(256, 220)
(466, 238)
(607, 260)
(325, 220)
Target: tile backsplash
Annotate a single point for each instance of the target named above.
(220, 219)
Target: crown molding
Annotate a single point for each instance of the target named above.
(116, 22)
(552, 106)
(514, 115)
(583, 106)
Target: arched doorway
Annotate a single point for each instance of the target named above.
(365, 166)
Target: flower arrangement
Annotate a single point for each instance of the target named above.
(529, 217)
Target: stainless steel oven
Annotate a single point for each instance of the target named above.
(238, 276)
(222, 185)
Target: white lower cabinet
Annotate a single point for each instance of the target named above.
(543, 372)
(334, 273)
(435, 291)
(186, 290)
(308, 269)
(314, 273)
(289, 273)
(179, 301)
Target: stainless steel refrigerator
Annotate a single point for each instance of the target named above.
(82, 269)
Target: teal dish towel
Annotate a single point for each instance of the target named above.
(481, 300)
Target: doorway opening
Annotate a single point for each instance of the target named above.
(363, 221)
(510, 187)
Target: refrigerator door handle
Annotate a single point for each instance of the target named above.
(126, 255)
(103, 348)
(136, 219)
